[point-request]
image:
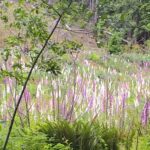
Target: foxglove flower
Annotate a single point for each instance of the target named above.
(145, 113)
(26, 95)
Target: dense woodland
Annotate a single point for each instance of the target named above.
(74, 75)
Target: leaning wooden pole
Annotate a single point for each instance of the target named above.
(29, 75)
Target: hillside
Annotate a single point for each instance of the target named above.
(74, 75)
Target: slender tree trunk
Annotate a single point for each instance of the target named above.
(29, 75)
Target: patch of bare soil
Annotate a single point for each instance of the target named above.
(4, 33)
(84, 37)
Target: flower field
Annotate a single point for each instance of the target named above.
(84, 90)
(74, 76)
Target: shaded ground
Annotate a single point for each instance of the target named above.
(82, 36)
(3, 34)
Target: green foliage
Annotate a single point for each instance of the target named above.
(111, 138)
(78, 15)
(136, 58)
(127, 138)
(31, 24)
(28, 139)
(24, 139)
(82, 135)
(101, 37)
(94, 57)
(71, 45)
(147, 43)
(144, 142)
(62, 135)
(114, 44)
(129, 17)
(60, 147)
(51, 66)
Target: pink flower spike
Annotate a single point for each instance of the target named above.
(27, 95)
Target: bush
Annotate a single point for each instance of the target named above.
(114, 44)
(111, 138)
(26, 139)
(147, 43)
(63, 135)
(94, 57)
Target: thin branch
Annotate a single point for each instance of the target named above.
(50, 6)
(28, 77)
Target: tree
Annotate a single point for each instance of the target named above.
(130, 17)
(33, 38)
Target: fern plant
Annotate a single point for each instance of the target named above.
(81, 135)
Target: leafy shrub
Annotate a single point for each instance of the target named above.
(144, 142)
(127, 16)
(63, 135)
(147, 43)
(94, 57)
(127, 138)
(111, 137)
(26, 139)
(101, 37)
(136, 48)
(114, 44)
